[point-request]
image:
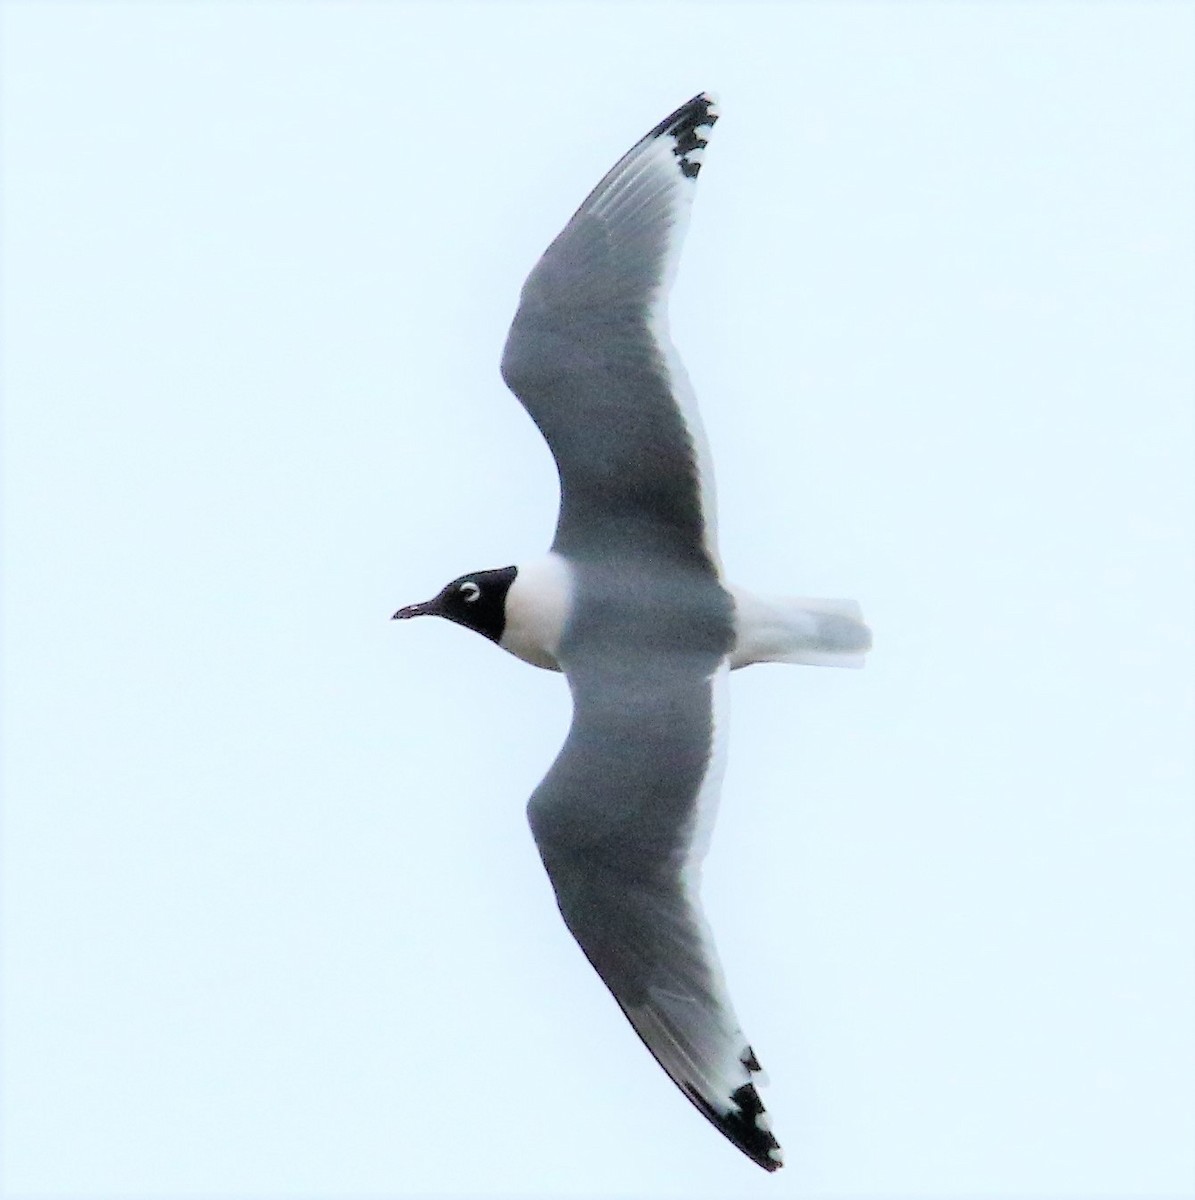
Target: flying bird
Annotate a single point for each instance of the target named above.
(632, 605)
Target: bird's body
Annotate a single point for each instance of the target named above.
(632, 605)
(537, 608)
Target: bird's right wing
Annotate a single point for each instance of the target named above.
(621, 821)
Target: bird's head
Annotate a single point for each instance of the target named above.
(477, 601)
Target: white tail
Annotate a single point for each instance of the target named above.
(796, 629)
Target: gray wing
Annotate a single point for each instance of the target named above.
(589, 357)
(621, 821)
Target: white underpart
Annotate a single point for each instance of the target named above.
(537, 607)
(657, 156)
(796, 629)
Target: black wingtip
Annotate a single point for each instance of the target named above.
(683, 126)
(743, 1125)
(746, 1124)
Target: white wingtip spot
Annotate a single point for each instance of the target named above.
(696, 157)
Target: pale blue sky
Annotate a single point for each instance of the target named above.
(273, 922)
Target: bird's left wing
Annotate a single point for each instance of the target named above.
(590, 358)
(622, 821)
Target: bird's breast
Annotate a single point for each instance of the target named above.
(537, 606)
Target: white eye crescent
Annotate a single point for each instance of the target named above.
(470, 591)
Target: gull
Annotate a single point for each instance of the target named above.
(632, 605)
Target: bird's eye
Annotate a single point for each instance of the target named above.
(470, 592)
